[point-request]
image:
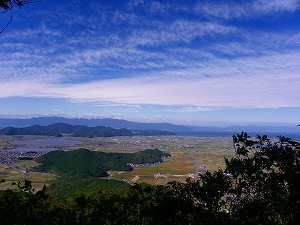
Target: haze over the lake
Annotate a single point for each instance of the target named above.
(185, 62)
(42, 145)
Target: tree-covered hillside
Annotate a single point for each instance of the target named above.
(77, 186)
(87, 163)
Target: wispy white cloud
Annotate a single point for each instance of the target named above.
(271, 81)
(192, 108)
(67, 59)
(245, 9)
(178, 31)
(275, 6)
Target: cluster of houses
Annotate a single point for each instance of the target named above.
(12, 157)
(143, 164)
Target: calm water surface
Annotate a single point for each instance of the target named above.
(42, 145)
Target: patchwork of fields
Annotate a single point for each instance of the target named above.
(190, 155)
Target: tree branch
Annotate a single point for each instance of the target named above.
(7, 5)
(6, 25)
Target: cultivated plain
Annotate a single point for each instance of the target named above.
(189, 156)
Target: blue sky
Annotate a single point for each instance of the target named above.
(185, 62)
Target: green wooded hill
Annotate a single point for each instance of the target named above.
(83, 162)
(78, 131)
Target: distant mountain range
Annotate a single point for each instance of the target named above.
(137, 128)
(106, 122)
(58, 129)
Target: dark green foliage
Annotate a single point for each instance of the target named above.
(202, 201)
(23, 208)
(9, 4)
(143, 157)
(75, 186)
(25, 158)
(80, 162)
(94, 164)
(152, 205)
(266, 180)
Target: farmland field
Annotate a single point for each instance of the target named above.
(189, 156)
(18, 172)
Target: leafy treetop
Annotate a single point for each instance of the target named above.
(9, 4)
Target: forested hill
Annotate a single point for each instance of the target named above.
(77, 131)
(83, 162)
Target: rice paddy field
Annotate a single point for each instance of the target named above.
(18, 172)
(189, 156)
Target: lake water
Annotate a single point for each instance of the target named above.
(42, 145)
(293, 135)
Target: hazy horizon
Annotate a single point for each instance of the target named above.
(204, 124)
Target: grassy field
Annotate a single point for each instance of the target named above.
(18, 173)
(190, 155)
